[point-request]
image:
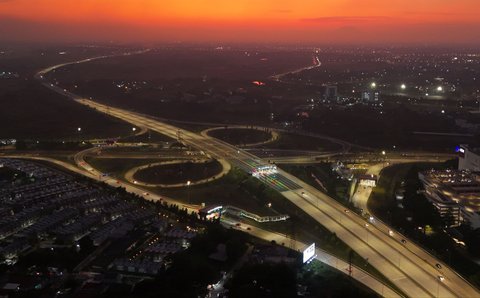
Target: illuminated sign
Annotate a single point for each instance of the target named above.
(265, 170)
(309, 253)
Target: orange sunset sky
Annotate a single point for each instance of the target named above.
(319, 21)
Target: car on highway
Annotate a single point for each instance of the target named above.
(438, 266)
(346, 211)
(404, 241)
(441, 278)
(390, 232)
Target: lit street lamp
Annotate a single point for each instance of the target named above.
(79, 129)
(134, 129)
(403, 87)
(373, 85)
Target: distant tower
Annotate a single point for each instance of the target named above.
(331, 92)
(366, 96)
(371, 96)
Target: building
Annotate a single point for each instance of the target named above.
(331, 92)
(454, 193)
(370, 96)
(468, 158)
(368, 180)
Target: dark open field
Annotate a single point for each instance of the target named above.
(172, 63)
(241, 136)
(207, 85)
(192, 84)
(29, 110)
(395, 126)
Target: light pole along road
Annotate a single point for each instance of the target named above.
(410, 267)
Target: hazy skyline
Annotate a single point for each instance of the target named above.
(330, 21)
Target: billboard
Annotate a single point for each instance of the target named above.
(309, 253)
(461, 151)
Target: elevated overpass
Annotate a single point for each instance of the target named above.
(410, 268)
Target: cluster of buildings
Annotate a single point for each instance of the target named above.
(48, 208)
(8, 75)
(456, 193)
(6, 142)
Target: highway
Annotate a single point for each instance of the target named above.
(409, 267)
(324, 257)
(308, 157)
(357, 273)
(81, 162)
(316, 63)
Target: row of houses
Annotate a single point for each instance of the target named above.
(53, 206)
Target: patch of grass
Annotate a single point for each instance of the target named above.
(117, 166)
(335, 187)
(382, 201)
(7, 174)
(322, 281)
(147, 137)
(236, 188)
(144, 149)
(287, 141)
(241, 136)
(49, 116)
(179, 172)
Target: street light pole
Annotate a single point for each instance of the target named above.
(438, 287)
(188, 190)
(368, 232)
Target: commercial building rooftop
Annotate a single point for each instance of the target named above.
(454, 191)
